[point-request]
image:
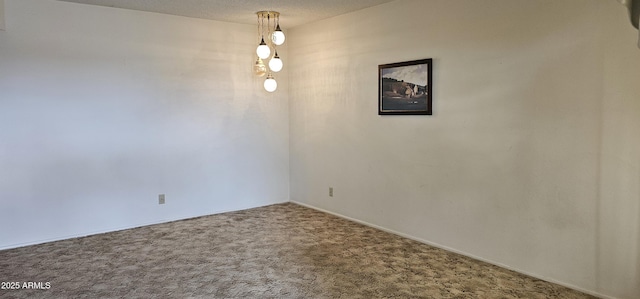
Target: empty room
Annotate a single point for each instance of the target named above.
(319, 149)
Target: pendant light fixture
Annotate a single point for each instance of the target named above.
(259, 68)
(269, 26)
(263, 50)
(275, 64)
(278, 36)
(270, 84)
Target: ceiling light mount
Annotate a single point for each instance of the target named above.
(268, 14)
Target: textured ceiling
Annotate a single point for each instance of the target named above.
(292, 12)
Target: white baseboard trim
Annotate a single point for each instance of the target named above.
(110, 230)
(86, 234)
(455, 251)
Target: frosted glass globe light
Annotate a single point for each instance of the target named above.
(270, 84)
(259, 68)
(278, 36)
(275, 64)
(263, 50)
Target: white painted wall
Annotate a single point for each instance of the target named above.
(532, 157)
(103, 109)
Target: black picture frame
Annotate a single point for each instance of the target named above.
(405, 88)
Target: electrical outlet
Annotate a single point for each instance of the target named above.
(330, 191)
(161, 199)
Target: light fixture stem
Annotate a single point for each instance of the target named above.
(262, 28)
(269, 29)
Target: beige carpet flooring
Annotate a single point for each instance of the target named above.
(278, 251)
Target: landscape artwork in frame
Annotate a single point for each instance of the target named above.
(404, 88)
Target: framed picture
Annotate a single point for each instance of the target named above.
(404, 88)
